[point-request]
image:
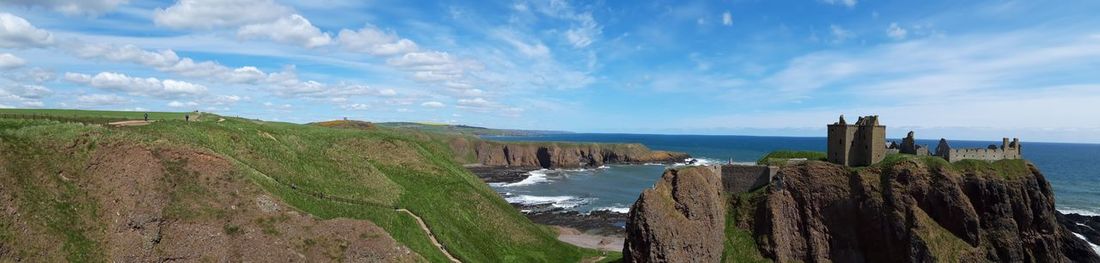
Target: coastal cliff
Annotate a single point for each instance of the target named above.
(555, 154)
(904, 210)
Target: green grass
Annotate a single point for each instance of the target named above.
(129, 115)
(345, 173)
(53, 204)
(740, 245)
(780, 157)
(1008, 169)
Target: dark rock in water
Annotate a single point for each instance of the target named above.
(1087, 226)
(681, 219)
(496, 174)
(910, 211)
(604, 223)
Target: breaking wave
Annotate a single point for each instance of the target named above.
(556, 201)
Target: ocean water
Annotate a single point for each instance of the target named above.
(1072, 169)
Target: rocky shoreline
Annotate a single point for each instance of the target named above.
(1086, 226)
(603, 223)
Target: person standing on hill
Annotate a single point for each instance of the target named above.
(187, 117)
(146, 116)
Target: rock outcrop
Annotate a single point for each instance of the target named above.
(1086, 226)
(908, 211)
(681, 219)
(557, 155)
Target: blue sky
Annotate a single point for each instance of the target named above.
(956, 69)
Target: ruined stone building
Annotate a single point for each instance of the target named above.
(1007, 150)
(859, 144)
(909, 146)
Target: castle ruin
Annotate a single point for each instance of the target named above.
(859, 144)
(864, 143)
(1007, 151)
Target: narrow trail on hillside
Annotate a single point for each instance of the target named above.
(430, 235)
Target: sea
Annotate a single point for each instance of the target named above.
(1073, 170)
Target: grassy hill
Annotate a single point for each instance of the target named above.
(328, 173)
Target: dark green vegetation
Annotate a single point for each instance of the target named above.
(462, 129)
(740, 245)
(781, 157)
(1007, 169)
(329, 173)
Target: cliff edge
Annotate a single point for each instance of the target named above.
(555, 154)
(903, 210)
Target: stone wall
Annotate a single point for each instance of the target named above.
(1007, 150)
(744, 178)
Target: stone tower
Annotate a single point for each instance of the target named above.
(859, 144)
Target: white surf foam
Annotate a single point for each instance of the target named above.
(1079, 211)
(564, 201)
(1094, 246)
(603, 167)
(533, 177)
(621, 210)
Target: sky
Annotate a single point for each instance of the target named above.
(955, 69)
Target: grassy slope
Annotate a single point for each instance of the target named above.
(355, 174)
(780, 157)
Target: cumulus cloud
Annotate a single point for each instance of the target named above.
(153, 87)
(27, 91)
(178, 104)
(355, 106)
(73, 7)
(210, 14)
(16, 32)
(167, 61)
(727, 19)
(9, 61)
(433, 104)
(431, 66)
(374, 41)
(293, 29)
(124, 53)
(896, 32)
(101, 100)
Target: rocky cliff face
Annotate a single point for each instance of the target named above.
(557, 155)
(909, 211)
(681, 219)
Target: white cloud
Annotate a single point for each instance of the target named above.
(74, 7)
(475, 102)
(293, 29)
(16, 32)
(9, 61)
(848, 3)
(583, 29)
(137, 86)
(374, 41)
(585, 32)
(177, 104)
(433, 104)
(22, 91)
(210, 14)
(125, 53)
(167, 61)
(355, 106)
(387, 92)
(840, 34)
(896, 32)
(101, 100)
(431, 66)
(727, 19)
